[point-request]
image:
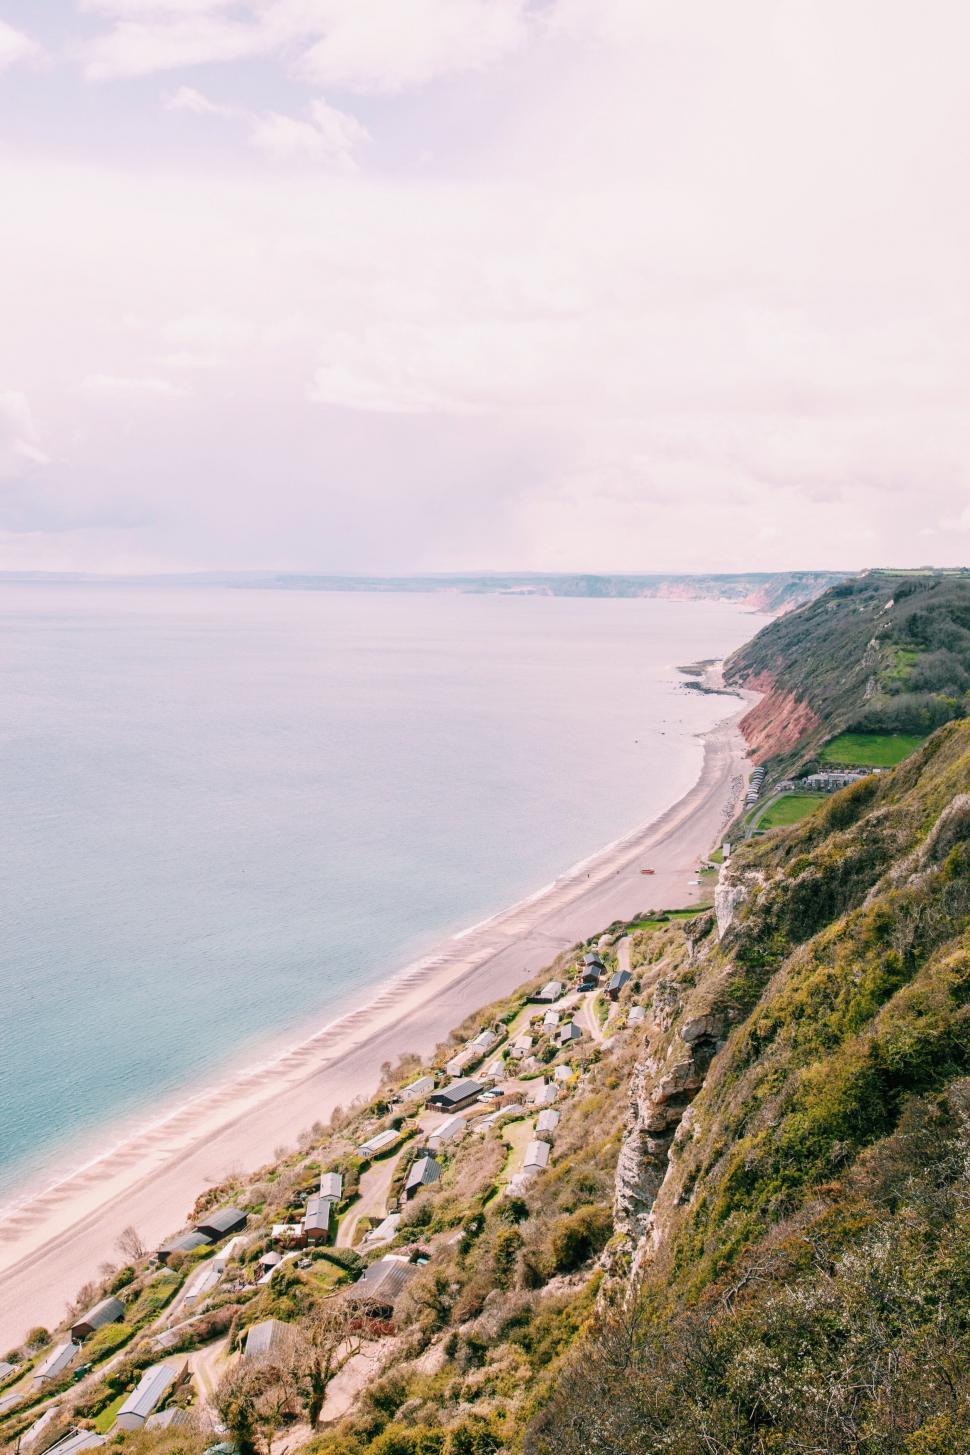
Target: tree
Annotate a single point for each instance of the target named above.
(324, 1342)
(255, 1398)
(130, 1245)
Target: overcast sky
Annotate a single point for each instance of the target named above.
(395, 285)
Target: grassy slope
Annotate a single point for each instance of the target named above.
(862, 664)
(811, 1288)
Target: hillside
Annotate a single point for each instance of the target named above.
(885, 653)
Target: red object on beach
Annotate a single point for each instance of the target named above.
(648, 871)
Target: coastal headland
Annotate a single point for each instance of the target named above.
(50, 1244)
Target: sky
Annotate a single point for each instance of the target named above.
(447, 285)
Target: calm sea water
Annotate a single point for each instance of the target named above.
(224, 812)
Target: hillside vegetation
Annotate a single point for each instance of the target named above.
(883, 653)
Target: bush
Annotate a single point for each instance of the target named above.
(579, 1236)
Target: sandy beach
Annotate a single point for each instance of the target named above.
(53, 1244)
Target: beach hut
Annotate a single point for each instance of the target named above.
(521, 1046)
(380, 1142)
(484, 1041)
(536, 1156)
(332, 1186)
(61, 1357)
(568, 1033)
(424, 1172)
(550, 991)
(381, 1285)
(218, 1225)
(264, 1338)
(545, 1095)
(458, 1062)
(456, 1095)
(149, 1392)
(184, 1243)
(417, 1089)
(449, 1131)
(108, 1311)
(546, 1122)
(616, 984)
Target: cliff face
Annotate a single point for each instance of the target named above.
(778, 722)
(793, 1188)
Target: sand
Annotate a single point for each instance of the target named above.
(55, 1243)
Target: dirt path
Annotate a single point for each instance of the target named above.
(587, 1019)
(375, 1186)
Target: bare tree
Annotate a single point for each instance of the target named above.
(325, 1341)
(255, 1398)
(130, 1245)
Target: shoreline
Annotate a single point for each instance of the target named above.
(51, 1241)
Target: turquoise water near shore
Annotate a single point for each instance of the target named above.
(226, 811)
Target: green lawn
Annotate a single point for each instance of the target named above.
(791, 808)
(104, 1420)
(870, 750)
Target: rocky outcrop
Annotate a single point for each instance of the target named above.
(729, 894)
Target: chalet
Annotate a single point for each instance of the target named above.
(521, 1046)
(332, 1186)
(456, 1095)
(185, 1243)
(616, 984)
(76, 1441)
(536, 1157)
(592, 961)
(380, 1142)
(381, 1285)
(54, 1365)
(6, 1369)
(417, 1089)
(108, 1311)
(464, 1058)
(150, 1390)
(563, 1073)
(545, 1095)
(264, 1338)
(551, 991)
(449, 1131)
(203, 1281)
(568, 1033)
(550, 1020)
(588, 980)
(218, 1225)
(424, 1171)
(316, 1219)
(546, 1122)
(484, 1041)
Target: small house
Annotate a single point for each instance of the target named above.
(592, 961)
(550, 991)
(423, 1173)
(456, 1095)
(449, 1131)
(546, 1122)
(521, 1046)
(616, 984)
(76, 1441)
(380, 1142)
(203, 1281)
(563, 1073)
(484, 1041)
(381, 1285)
(536, 1156)
(458, 1062)
(149, 1392)
(316, 1219)
(332, 1186)
(185, 1243)
(417, 1089)
(218, 1225)
(6, 1369)
(264, 1338)
(61, 1357)
(108, 1311)
(546, 1094)
(568, 1033)
(550, 1020)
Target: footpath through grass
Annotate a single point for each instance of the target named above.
(870, 750)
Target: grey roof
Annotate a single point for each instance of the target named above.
(57, 1360)
(263, 1337)
(6, 1368)
(548, 1120)
(147, 1393)
(383, 1282)
(536, 1154)
(332, 1186)
(106, 1312)
(457, 1091)
(184, 1243)
(423, 1172)
(570, 1032)
(77, 1440)
(592, 959)
(171, 1419)
(618, 980)
(317, 1215)
(220, 1224)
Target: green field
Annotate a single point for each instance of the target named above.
(791, 808)
(870, 750)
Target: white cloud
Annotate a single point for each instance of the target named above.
(186, 98)
(331, 136)
(16, 47)
(19, 441)
(357, 45)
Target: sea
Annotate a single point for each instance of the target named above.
(229, 813)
